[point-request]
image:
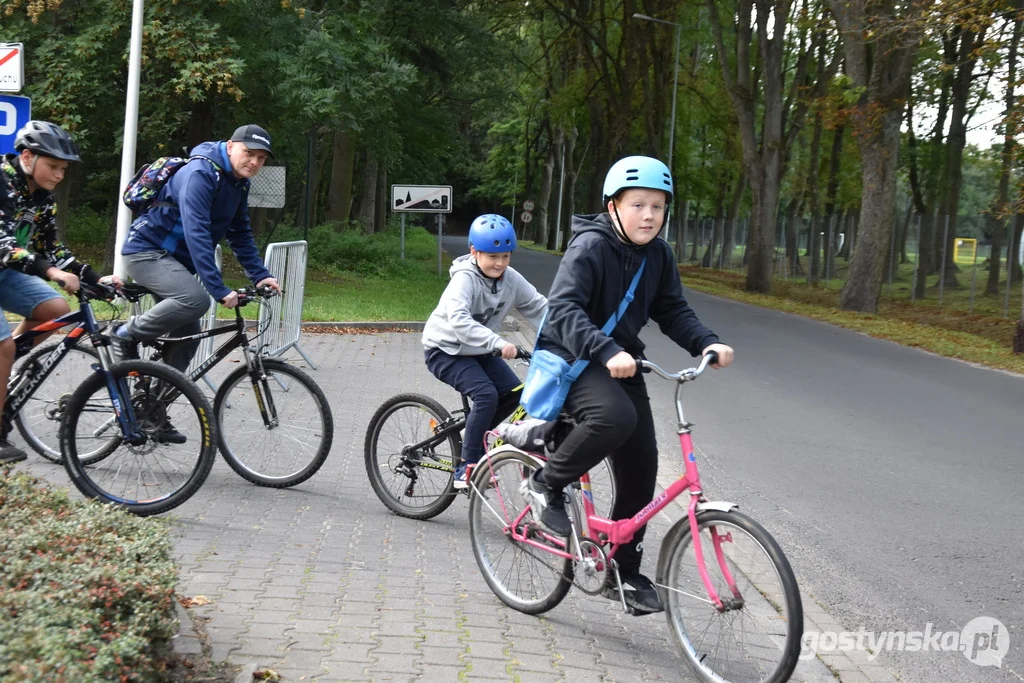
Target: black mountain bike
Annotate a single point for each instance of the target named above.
(275, 426)
(114, 426)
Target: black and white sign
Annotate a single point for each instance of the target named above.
(421, 198)
(528, 206)
(12, 67)
(526, 216)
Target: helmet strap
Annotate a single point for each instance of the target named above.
(617, 226)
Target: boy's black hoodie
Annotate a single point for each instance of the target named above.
(590, 284)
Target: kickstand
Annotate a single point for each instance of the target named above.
(622, 596)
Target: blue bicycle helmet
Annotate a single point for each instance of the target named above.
(637, 171)
(492, 233)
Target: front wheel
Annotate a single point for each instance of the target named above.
(410, 467)
(756, 635)
(165, 449)
(275, 431)
(532, 577)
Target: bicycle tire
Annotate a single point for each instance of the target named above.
(770, 612)
(159, 396)
(418, 485)
(524, 577)
(278, 456)
(40, 416)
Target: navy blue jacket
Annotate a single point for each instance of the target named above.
(590, 283)
(194, 211)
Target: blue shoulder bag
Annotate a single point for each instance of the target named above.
(550, 377)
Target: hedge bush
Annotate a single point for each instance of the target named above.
(86, 590)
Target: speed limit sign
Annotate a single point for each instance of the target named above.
(528, 206)
(526, 216)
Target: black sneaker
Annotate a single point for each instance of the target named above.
(640, 593)
(124, 349)
(549, 504)
(168, 434)
(9, 453)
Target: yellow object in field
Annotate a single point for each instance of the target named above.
(966, 248)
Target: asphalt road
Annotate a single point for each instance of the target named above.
(892, 478)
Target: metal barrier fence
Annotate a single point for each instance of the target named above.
(281, 319)
(209, 319)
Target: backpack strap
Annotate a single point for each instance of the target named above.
(216, 167)
(579, 366)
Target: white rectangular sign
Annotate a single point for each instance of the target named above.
(423, 198)
(12, 67)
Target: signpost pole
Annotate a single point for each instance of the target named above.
(440, 229)
(403, 236)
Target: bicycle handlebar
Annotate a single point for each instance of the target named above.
(521, 352)
(686, 375)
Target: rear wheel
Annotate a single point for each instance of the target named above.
(414, 481)
(526, 577)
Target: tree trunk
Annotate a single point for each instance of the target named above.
(571, 173)
(731, 219)
(707, 261)
(339, 204)
(368, 201)
(999, 216)
(829, 224)
(381, 209)
(813, 170)
(879, 157)
(541, 233)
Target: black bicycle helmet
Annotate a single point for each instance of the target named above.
(47, 139)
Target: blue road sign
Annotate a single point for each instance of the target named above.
(15, 112)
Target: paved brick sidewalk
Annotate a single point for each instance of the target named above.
(323, 582)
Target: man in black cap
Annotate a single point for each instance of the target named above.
(204, 202)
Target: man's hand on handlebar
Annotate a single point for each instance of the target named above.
(231, 300)
(112, 281)
(67, 281)
(269, 282)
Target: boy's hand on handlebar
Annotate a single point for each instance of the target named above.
(725, 354)
(509, 351)
(230, 301)
(68, 281)
(621, 365)
(269, 282)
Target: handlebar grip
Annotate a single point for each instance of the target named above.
(712, 357)
(60, 283)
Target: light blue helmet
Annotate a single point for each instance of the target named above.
(645, 172)
(492, 233)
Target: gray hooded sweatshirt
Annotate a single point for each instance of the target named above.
(469, 314)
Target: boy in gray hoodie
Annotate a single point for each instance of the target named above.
(463, 347)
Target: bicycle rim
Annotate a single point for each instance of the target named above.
(152, 476)
(525, 577)
(39, 419)
(416, 484)
(294, 446)
(755, 640)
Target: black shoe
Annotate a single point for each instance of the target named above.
(124, 349)
(168, 434)
(9, 453)
(550, 504)
(640, 593)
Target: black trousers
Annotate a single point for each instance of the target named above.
(614, 419)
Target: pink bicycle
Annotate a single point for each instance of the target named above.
(730, 596)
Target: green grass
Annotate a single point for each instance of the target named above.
(345, 297)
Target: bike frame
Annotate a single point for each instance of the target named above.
(615, 533)
(21, 388)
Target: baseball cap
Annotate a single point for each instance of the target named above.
(253, 137)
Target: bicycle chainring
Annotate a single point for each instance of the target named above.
(591, 572)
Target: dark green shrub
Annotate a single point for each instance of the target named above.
(85, 226)
(86, 590)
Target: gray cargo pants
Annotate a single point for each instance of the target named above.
(181, 302)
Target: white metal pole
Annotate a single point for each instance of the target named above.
(131, 129)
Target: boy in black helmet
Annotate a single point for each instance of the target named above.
(29, 248)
